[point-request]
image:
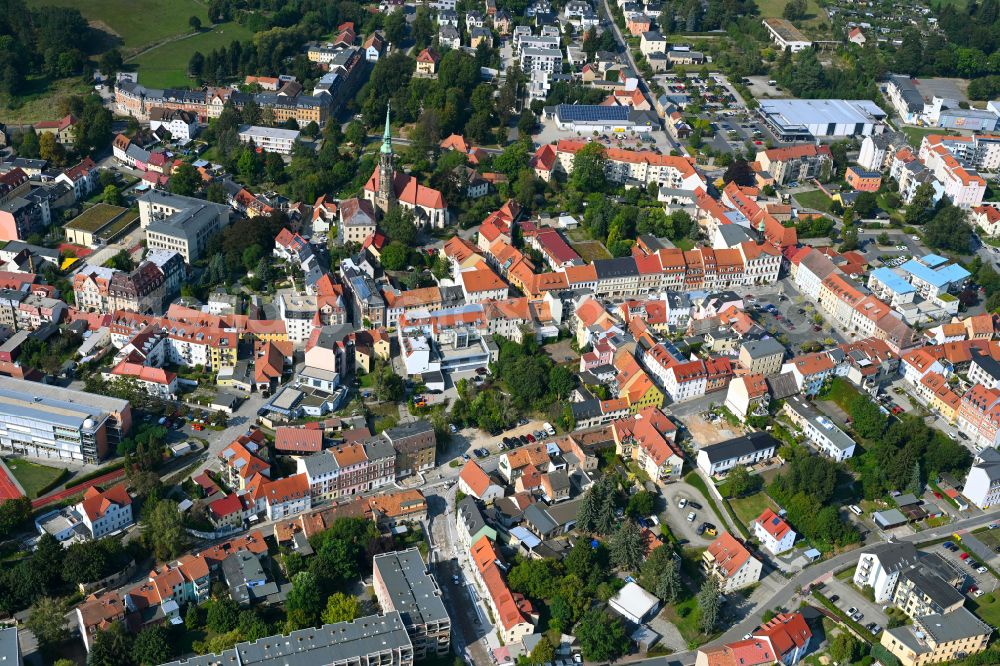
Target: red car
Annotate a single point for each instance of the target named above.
(897, 410)
(963, 556)
(531, 438)
(938, 495)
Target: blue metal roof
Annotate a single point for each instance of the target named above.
(933, 260)
(889, 278)
(938, 277)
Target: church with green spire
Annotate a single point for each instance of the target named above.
(387, 188)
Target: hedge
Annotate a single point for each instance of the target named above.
(101, 471)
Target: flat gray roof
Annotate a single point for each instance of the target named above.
(53, 403)
(330, 644)
(415, 595)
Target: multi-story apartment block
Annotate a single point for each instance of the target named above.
(729, 562)
(982, 485)
(819, 430)
(415, 445)
(880, 568)
(795, 163)
(403, 583)
(181, 224)
(938, 638)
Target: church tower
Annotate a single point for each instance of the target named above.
(386, 195)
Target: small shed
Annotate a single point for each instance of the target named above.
(812, 554)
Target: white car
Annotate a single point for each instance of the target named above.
(691, 517)
(978, 593)
(682, 503)
(981, 570)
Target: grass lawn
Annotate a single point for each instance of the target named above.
(815, 199)
(841, 392)
(916, 134)
(32, 476)
(684, 244)
(591, 250)
(137, 26)
(987, 607)
(684, 616)
(748, 508)
(166, 66)
(40, 100)
(990, 538)
(846, 574)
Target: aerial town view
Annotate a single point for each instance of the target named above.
(499, 332)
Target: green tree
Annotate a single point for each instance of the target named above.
(741, 482)
(921, 207)
(602, 637)
(50, 149)
(399, 225)
(111, 196)
(597, 510)
(223, 615)
(12, 514)
(627, 546)
(948, 230)
(304, 603)
(535, 578)
(355, 134)
(192, 617)
(667, 582)
(844, 648)
(47, 621)
(867, 420)
(164, 532)
(588, 168)
(642, 504)
(110, 63)
(195, 23)
(543, 652)
(394, 28)
(339, 606)
(185, 180)
(709, 605)
(111, 647)
(29, 145)
(152, 646)
(739, 172)
(394, 256)
(866, 205)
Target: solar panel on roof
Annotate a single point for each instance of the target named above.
(592, 112)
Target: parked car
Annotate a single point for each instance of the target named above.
(682, 503)
(691, 517)
(981, 570)
(852, 610)
(694, 505)
(857, 617)
(834, 598)
(963, 556)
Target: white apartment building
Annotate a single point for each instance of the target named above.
(541, 60)
(819, 430)
(105, 512)
(880, 568)
(982, 485)
(271, 139)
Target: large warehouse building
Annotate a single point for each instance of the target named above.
(804, 119)
(588, 118)
(45, 421)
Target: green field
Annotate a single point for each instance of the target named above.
(915, 135)
(32, 476)
(748, 508)
(815, 199)
(774, 8)
(138, 22)
(987, 607)
(166, 66)
(40, 100)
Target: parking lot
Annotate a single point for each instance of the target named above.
(676, 517)
(791, 316)
(976, 580)
(846, 597)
